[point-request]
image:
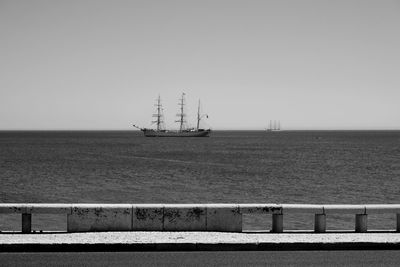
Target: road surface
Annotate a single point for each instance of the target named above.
(218, 258)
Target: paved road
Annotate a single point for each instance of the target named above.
(230, 258)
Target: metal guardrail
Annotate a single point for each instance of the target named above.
(188, 217)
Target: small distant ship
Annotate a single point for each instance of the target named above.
(274, 127)
(183, 131)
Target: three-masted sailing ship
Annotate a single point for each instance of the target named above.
(183, 131)
(274, 127)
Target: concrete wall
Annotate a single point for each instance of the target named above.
(187, 217)
(94, 217)
(148, 217)
(224, 218)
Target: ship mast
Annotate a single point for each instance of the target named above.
(181, 115)
(198, 116)
(158, 116)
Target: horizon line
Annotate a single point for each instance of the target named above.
(226, 129)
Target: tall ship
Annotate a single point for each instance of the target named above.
(183, 131)
(274, 126)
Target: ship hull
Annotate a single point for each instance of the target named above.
(153, 133)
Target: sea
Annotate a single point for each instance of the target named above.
(312, 167)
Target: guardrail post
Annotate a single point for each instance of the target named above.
(361, 223)
(26, 223)
(277, 223)
(320, 223)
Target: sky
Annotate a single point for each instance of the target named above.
(100, 65)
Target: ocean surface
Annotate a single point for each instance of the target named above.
(334, 167)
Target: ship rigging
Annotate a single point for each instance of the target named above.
(183, 131)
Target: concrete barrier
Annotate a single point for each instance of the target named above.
(344, 209)
(95, 217)
(185, 218)
(26, 210)
(302, 208)
(148, 217)
(188, 217)
(260, 208)
(224, 218)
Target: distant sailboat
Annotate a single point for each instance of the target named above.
(274, 127)
(183, 131)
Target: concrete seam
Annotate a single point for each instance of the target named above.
(131, 217)
(239, 210)
(206, 218)
(163, 219)
(68, 222)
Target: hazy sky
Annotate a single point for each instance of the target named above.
(101, 64)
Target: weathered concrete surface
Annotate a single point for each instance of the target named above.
(14, 208)
(42, 208)
(196, 241)
(185, 218)
(224, 218)
(147, 217)
(260, 208)
(50, 209)
(93, 217)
